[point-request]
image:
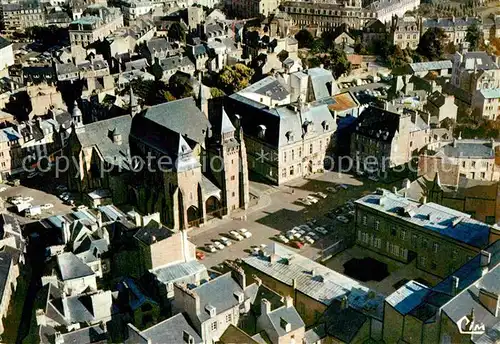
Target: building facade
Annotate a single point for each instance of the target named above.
(405, 32)
(95, 24)
(386, 10)
(439, 238)
(455, 28)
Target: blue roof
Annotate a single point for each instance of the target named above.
(430, 216)
(139, 297)
(9, 134)
(406, 298)
(491, 93)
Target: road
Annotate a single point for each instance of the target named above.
(278, 212)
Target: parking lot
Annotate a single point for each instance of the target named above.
(279, 210)
(44, 193)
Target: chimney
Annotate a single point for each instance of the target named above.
(257, 280)
(394, 190)
(187, 338)
(406, 183)
(344, 302)
(99, 219)
(58, 338)
(288, 301)
(64, 301)
(294, 283)
(490, 301)
(454, 285)
(424, 199)
(238, 274)
(265, 307)
(117, 138)
(65, 231)
(485, 261)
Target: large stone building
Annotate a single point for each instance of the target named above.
(327, 15)
(454, 28)
(405, 32)
(254, 8)
(439, 238)
(287, 133)
(21, 15)
(473, 71)
(473, 159)
(383, 139)
(95, 24)
(201, 169)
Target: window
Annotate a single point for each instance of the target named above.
(229, 317)
(436, 247)
(424, 243)
(463, 164)
(233, 177)
(365, 220)
(473, 164)
(422, 261)
(483, 175)
(311, 148)
(433, 266)
(284, 156)
(393, 231)
(291, 170)
(403, 235)
(377, 225)
(234, 194)
(283, 173)
(300, 152)
(213, 326)
(293, 155)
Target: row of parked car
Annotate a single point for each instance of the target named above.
(304, 234)
(225, 240)
(344, 213)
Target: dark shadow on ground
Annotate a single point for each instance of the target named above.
(366, 269)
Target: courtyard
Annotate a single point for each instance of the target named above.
(394, 273)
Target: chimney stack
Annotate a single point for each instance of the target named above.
(265, 307)
(454, 285)
(344, 302)
(288, 301)
(485, 261)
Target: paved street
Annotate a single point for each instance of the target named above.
(278, 211)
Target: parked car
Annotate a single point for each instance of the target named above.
(321, 230)
(309, 240)
(297, 244)
(225, 241)
(236, 236)
(312, 199)
(321, 194)
(331, 189)
(343, 186)
(245, 233)
(200, 255)
(210, 248)
(313, 235)
(47, 206)
(373, 178)
(282, 239)
(342, 219)
(218, 245)
(304, 228)
(82, 207)
(304, 201)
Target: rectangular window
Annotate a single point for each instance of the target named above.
(293, 155)
(229, 318)
(393, 231)
(483, 175)
(213, 326)
(365, 220)
(433, 266)
(300, 152)
(377, 225)
(283, 173)
(436, 247)
(403, 235)
(284, 156)
(473, 164)
(233, 177)
(422, 261)
(424, 243)
(311, 148)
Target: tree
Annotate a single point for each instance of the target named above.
(339, 64)
(431, 43)
(180, 86)
(234, 78)
(176, 32)
(398, 58)
(473, 36)
(305, 38)
(216, 92)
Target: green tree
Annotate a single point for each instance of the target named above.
(473, 36)
(180, 86)
(234, 78)
(176, 32)
(305, 38)
(216, 92)
(398, 58)
(339, 64)
(431, 43)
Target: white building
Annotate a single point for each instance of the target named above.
(6, 54)
(387, 9)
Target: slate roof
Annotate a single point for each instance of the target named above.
(98, 135)
(325, 285)
(319, 78)
(89, 307)
(159, 44)
(407, 297)
(175, 62)
(449, 23)
(66, 68)
(479, 60)
(180, 116)
(4, 43)
(152, 232)
(490, 93)
(71, 267)
(219, 293)
(315, 334)
(141, 64)
(430, 216)
(268, 86)
(290, 315)
(9, 134)
(430, 65)
(377, 123)
(135, 296)
(94, 334)
(171, 331)
(233, 335)
(177, 272)
(343, 324)
(468, 149)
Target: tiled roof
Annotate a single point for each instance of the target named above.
(171, 331)
(407, 297)
(71, 267)
(176, 272)
(468, 149)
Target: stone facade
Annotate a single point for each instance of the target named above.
(406, 32)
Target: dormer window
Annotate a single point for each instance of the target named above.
(289, 136)
(325, 125)
(262, 131)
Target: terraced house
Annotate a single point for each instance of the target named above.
(439, 238)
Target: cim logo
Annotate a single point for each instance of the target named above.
(466, 326)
